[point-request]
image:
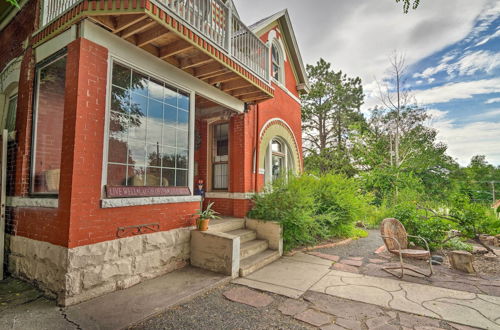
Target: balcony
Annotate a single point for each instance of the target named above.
(202, 37)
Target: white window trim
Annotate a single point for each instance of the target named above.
(192, 108)
(268, 175)
(107, 203)
(281, 72)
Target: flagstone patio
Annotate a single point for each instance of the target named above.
(303, 274)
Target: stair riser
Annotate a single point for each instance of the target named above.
(258, 265)
(248, 237)
(247, 252)
(227, 226)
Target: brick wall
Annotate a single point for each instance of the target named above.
(17, 32)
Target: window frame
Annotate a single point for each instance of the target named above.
(34, 118)
(212, 127)
(191, 123)
(285, 155)
(13, 95)
(281, 60)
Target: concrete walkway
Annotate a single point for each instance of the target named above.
(294, 276)
(23, 307)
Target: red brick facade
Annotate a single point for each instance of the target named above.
(79, 218)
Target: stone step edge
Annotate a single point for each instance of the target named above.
(257, 261)
(259, 245)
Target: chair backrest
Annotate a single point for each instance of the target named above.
(393, 228)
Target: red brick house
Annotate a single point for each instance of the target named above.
(116, 112)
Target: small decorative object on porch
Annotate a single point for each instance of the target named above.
(462, 260)
(204, 217)
(396, 240)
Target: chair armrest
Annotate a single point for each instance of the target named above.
(423, 239)
(393, 238)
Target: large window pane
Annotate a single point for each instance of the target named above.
(49, 127)
(148, 131)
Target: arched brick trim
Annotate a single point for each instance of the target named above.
(278, 127)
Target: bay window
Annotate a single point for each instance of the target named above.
(148, 138)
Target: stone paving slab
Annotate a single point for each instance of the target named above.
(298, 273)
(248, 297)
(450, 305)
(306, 274)
(314, 317)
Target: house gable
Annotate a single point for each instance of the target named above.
(281, 23)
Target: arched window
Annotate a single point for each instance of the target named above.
(278, 161)
(276, 62)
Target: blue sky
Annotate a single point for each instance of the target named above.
(452, 49)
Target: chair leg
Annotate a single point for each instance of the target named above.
(401, 266)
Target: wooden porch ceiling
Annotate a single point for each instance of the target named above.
(159, 39)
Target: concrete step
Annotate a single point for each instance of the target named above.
(245, 235)
(253, 247)
(257, 261)
(226, 224)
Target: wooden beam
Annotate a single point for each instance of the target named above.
(214, 74)
(209, 69)
(255, 98)
(222, 78)
(151, 49)
(245, 91)
(125, 21)
(143, 25)
(196, 61)
(107, 21)
(234, 85)
(175, 48)
(151, 35)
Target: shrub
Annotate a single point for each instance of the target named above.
(312, 208)
(417, 223)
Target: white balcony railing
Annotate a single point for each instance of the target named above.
(212, 18)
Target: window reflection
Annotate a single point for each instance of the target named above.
(48, 126)
(148, 131)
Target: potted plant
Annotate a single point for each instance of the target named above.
(204, 217)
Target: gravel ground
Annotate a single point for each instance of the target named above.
(213, 311)
(363, 247)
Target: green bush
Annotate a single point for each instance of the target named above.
(418, 223)
(312, 208)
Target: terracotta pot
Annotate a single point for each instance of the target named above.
(203, 224)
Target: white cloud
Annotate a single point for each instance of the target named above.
(460, 90)
(488, 115)
(477, 61)
(493, 100)
(436, 114)
(465, 141)
(358, 36)
(469, 64)
(488, 38)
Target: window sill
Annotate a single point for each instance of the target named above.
(14, 201)
(140, 201)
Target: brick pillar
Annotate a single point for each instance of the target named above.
(83, 133)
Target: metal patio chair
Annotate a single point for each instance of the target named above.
(396, 241)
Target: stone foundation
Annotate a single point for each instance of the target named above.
(78, 274)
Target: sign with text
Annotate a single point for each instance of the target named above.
(123, 192)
